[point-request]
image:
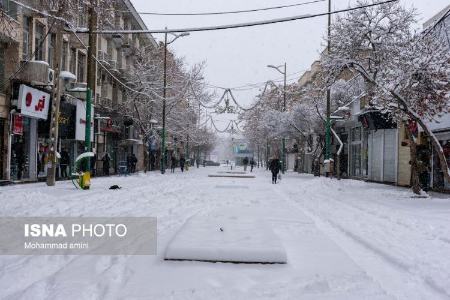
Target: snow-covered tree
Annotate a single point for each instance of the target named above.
(407, 73)
(185, 89)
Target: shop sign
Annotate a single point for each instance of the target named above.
(112, 126)
(33, 102)
(66, 120)
(80, 125)
(18, 125)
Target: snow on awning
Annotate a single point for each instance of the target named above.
(226, 237)
(441, 123)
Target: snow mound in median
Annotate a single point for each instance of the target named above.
(224, 237)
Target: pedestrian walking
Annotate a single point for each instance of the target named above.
(245, 162)
(252, 164)
(134, 161)
(93, 163)
(173, 163)
(182, 161)
(106, 162)
(64, 163)
(275, 167)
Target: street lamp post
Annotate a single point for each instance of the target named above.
(163, 142)
(328, 119)
(284, 109)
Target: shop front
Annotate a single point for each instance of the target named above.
(66, 132)
(29, 146)
(441, 130)
(109, 134)
(382, 141)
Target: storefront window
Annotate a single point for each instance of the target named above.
(365, 153)
(20, 145)
(356, 152)
(356, 134)
(42, 156)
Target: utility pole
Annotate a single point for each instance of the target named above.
(163, 144)
(56, 99)
(92, 49)
(283, 140)
(91, 75)
(284, 110)
(328, 121)
(198, 145)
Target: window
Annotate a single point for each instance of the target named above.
(73, 60)
(9, 7)
(39, 42)
(81, 67)
(82, 14)
(26, 37)
(2, 68)
(65, 49)
(356, 134)
(51, 49)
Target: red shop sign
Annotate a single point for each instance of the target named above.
(18, 125)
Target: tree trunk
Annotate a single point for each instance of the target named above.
(414, 181)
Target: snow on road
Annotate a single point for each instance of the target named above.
(343, 239)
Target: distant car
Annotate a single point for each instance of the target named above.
(211, 163)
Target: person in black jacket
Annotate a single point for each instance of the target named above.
(134, 161)
(275, 167)
(182, 161)
(252, 164)
(106, 160)
(64, 163)
(173, 163)
(245, 162)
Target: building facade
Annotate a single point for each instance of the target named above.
(27, 49)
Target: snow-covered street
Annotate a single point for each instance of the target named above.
(343, 239)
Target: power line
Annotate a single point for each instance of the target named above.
(239, 25)
(72, 27)
(229, 12)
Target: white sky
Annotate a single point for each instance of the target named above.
(237, 57)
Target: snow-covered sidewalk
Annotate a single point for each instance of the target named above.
(343, 239)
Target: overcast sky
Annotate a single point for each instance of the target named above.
(238, 57)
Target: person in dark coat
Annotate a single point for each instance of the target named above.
(134, 161)
(64, 163)
(93, 163)
(173, 163)
(106, 161)
(275, 167)
(245, 162)
(182, 161)
(129, 164)
(21, 159)
(252, 164)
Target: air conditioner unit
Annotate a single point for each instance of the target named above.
(34, 71)
(50, 76)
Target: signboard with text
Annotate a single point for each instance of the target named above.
(33, 102)
(18, 125)
(80, 124)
